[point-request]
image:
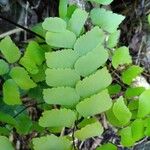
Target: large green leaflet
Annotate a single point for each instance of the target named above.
(89, 41)
(57, 118)
(61, 59)
(51, 142)
(121, 111)
(54, 24)
(121, 57)
(106, 19)
(4, 68)
(5, 144)
(61, 77)
(77, 21)
(144, 104)
(21, 77)
(90, 62)
(96, 104)
(64, 39)
(91, 130)
(94, 83)
(61, 95)
(9, 50)
(104, 2)
(11, 95)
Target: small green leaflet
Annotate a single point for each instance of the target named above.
(103, 2)
(121, 56)
(114, 89)
(94, 83)
(9, 50)
(94, 59)
(63, 8)
(131, 73)
(133, 105)
(147, 127)
(61, 59)
(121, 111)
(57, 118)
(149, 18)
(96, 104)
(91, 130)
(106, 19)
(144, 104)
(61, 77)
(54, 24)
(61, 95)
(77, 21)
(108, 146)
(4, 68)
(5, 144)
(21, 77)
(89, 41)
(51, 142)
(113, 39)
(64, 39)
(11, 95)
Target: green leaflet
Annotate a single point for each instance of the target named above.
(121, 111)
(63, 8)
(61, 95)
(113, 39)
(103, 2)
(61, 77)
(5, 144)
(149, 18)
(144, 104)
(96, 104)
(91, 130)
(133, 105)
(131, 73)
(106, 19)
(21, 77)
(4, 68)
(89, 41)
(61, 59)
(51, 142)
(93, 60)
(9, 50)
(147, 127)
(57, 118)
(94, 83)
(11, 95)
(64, 39)
(121, 56)
(114, 89)
(54, 24)
(108, 146)
(77, 21)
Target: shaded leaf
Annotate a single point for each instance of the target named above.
(108, 146)
(104, 2)
(5, 144)
(114, 89)
(4, 68)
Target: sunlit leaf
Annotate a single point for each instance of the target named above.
(5, 144)
(61, 77)
(11, 95)
(104, 2)
(9, 50)
(94, 83)
(57, 118)
(96, 104)
(89, 41)
(4, 68)
(106, 19)
(63, 8)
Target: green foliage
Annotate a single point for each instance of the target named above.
(149, 18)
(104, 2)
(63, 8)
(5, 144)
(108, 146)
(4, 68)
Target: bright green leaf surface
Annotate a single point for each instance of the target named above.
(96, 104)
(63, 8)
(89, 41)
(77, 21)
(5, 143)
(61, 77)
(61, 95)
(51, 142)
(121, 56)
(9, 50)
(21, 77)
(108, 146)
(61, 59)
(106, 19)
(57, 118)
(65, 39)
(114, 89)
(91, 130)
(11, 95)
(4, 68)
(94, 83)
(103, 2)
(90, 62)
